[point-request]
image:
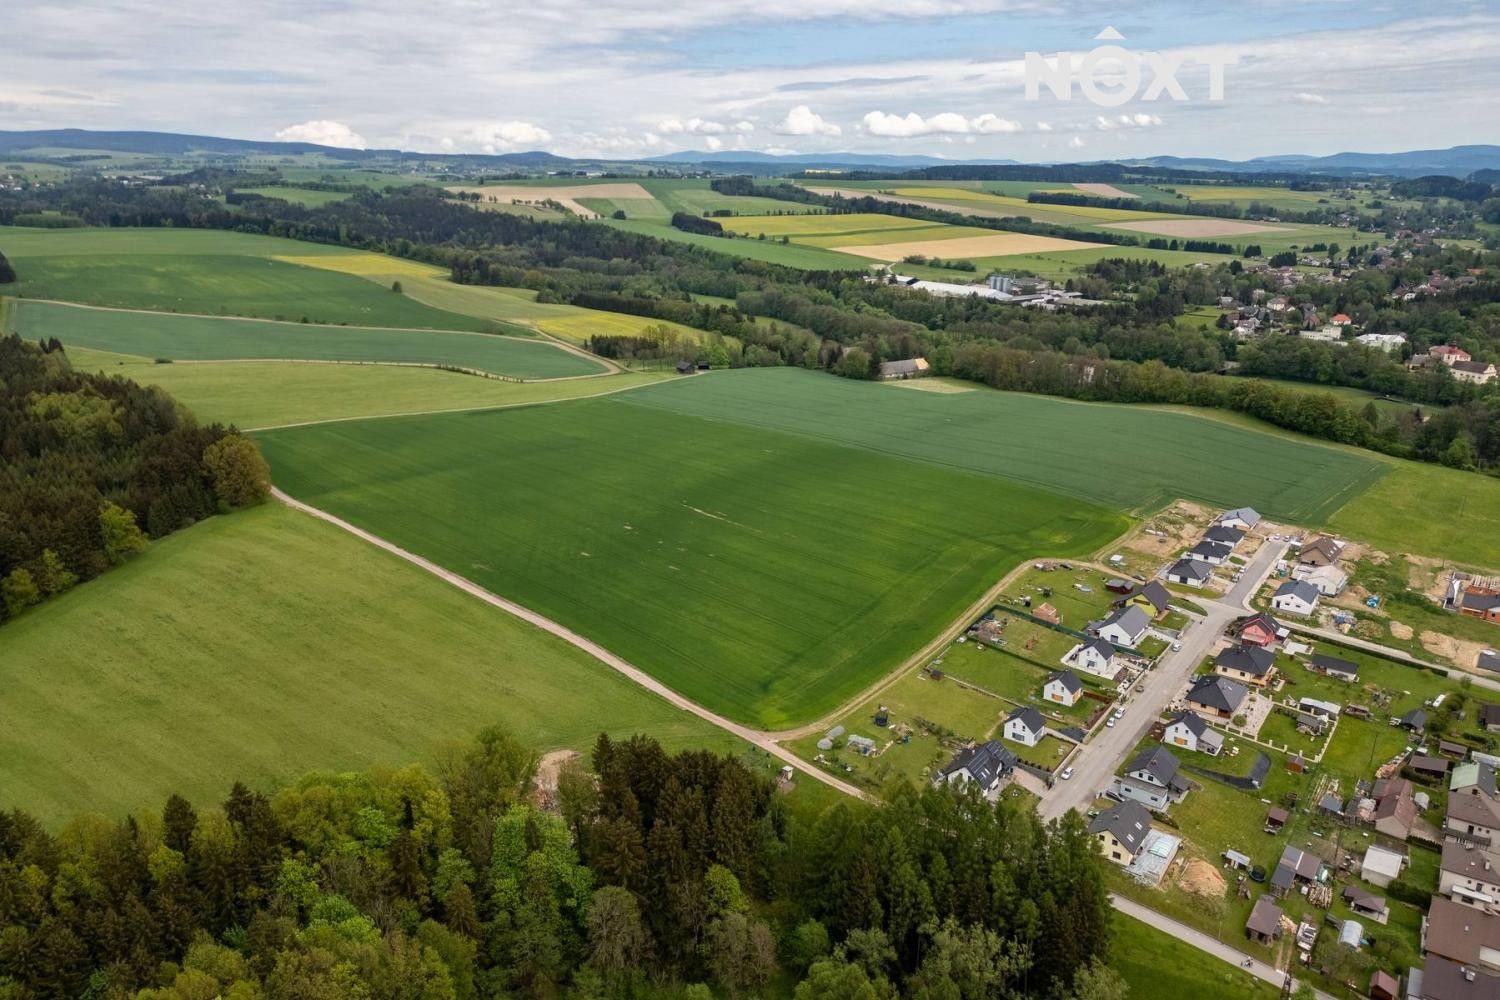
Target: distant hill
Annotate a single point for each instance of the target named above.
(804, 160)
(1455, 161)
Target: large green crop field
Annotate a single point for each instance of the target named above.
(265, 644)
(1131, 458)
(263, 394)
(772, 251)
(767, 575)
(202, 338)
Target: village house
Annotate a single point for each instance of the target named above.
(1395, 811)
(1264, 922)
(1212, 553)
(1295, 597)
(1440, 979)
(1462, 934)
(1329, 580)
(1473, 815)
(1125, 627)
(1025, 726)
(1063, 688)
(1367, 904)
(1470, 874)
(914, 368)
(1488, 659)
(1477, 372)
(1190, 572)
(1259, 630)
(1321, 551)
(1244, 518)
(1189, 731)
(1223, 534)
(1216, 697)
(1153, 780)
(1341, 319)
(1121, 831)
(1386, 342)
(1344, 670)
(1152, 598)
(985, 764)
(1480, 602)
(1473, 778)
(1450, 353)
(1096, 656)
(1250, 664)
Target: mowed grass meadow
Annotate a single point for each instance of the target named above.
(767, 575)
(207, 338)
(266, 643)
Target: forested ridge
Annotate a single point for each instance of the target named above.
(645, 875)
(92, 466)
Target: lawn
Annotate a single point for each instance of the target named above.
(207, 271)
(266, 643)
(1128, 458)
(202, 338)
(263, 394)
(1395, 514)
(1155, 964)
(767, 575)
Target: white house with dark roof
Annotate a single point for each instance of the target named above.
(1296, 597)
(1063, 688)
(1122, 831)
(1244, 518)
(1190, 572)
(1223, 534)
(1097, 656)
(1333, 666)
(1250, 664)
(1126, 627)
(1025, 726)
(1188, 731)
(1213, 553)
(1153, 779)
(984, 764)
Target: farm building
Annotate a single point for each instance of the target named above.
(1344, 670)
(1250, 664)
(1264, 923)
(1189, 731)
(1153, 779)
(1210, 552)
(1245, 518)
(1381, 866)
(1470, 874)
(1260, 630)
(1121, 831)
(1429, 767)
(1063, 688)
(1216, 697)
(1414, 721)
(1025, 726)
(1296, 597)
(984, 764)
(1190, 573)
(1478, 372)
(1125, 627)
(1097, 656)
(1296, 867)
(914, 368)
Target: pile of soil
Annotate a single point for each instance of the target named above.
(1202, 879)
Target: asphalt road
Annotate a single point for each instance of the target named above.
(1096, 761)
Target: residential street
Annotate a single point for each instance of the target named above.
(1095, 763)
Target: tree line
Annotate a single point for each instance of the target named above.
(92, 466)
(641, 874)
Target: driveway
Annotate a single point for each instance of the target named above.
(1095, 762)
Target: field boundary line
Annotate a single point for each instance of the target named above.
(598, 652)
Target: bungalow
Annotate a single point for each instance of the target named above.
(1245, 518)
(1153, 780)
(1151, 598)
(1480, 602)
(1190, 572)
(1189, 731)
(1470, 875)
(1063, 688)
(1223, 534)
(1296, 867)
(1489, 718)
(1264, 924)
(1477, 372)
(1250, 664)
(1097, 656)
(913, 368)
(1395, 811)
(1321, 551)
(1367, 904)
(1296, 597)
(1125, 627)
(1330, 580)
(1259, 630)
(1121, 831)
(984, 764)
(1344, 670)
(1213, 553)
(1216, 697)
(1381, 866)
(1025, 726)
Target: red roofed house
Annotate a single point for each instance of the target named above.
(1341, 319)
(1259, 630)
(1447, 354)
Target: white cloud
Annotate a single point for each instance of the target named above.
(693, 126)
(1139, 120)
(802, 120)
(744, 127)
(324, 133)
(500, 137)
(1044, 126)
(1076, 142)
(1304, 97)
(713, 142)
(944, 123)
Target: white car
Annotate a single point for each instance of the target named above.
(1176, 647)
(1110, 722)
(1067, 773)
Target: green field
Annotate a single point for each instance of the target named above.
(1130, 458)
(203, 338)
(264, 644)
(767, 575)
(787, 254)
(1396, 514)
(207, 271)
(262, 394)
(310, 197)
(1155, 964)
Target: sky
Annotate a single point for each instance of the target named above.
(627, 79)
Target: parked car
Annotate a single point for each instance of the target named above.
(1176, 647)
(1067, 773)
(1110, 722)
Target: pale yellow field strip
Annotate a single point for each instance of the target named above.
(1104, 190)
(1195, 227)
(998, 245)
(564, 195)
